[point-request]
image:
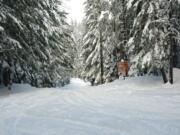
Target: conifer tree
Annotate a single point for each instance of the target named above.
(43, 39)
(149, 48)
(97, 47)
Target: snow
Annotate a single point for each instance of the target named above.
(1, 29)
(5, 64)
(105, 15)
(129, 4)
(135, 106)
(16, 21)
(147, 59)
(12, 41)
(150, 9)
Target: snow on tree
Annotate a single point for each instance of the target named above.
(42, 36)
(136, 30)
(148, 48)
(98, 45)
(77, 34)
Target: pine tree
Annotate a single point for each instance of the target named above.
(138, 30)
(174, 8)
(91, 50)
(78, 32)
(122, 23)
(149, 49)
(43, 39)
(98, 46)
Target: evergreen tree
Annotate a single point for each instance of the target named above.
(149, 48)
(78, 32)
(43, 36)
(98, 47)
(144, 32)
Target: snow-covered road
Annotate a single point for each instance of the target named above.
(136, 106)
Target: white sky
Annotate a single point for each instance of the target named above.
(75, 10)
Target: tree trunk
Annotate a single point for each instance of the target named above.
(101, 58)
(171, 74)
(164, 75)
(172, 45)
(171, 66)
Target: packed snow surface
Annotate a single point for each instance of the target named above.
(136, 106)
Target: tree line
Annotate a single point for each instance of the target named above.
(144, 32)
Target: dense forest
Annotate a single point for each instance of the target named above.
(43, 50)
(145, 33)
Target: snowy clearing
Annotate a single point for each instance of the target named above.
(136, 106)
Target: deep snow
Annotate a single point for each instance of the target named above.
(136, 106)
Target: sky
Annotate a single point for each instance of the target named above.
(75, 9)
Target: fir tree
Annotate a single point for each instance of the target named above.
(43, 38)
(97, 47)
(148, 47)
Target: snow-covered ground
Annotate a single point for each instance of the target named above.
(136, 106)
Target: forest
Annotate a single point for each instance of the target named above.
(42, 49)
(112, 69)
